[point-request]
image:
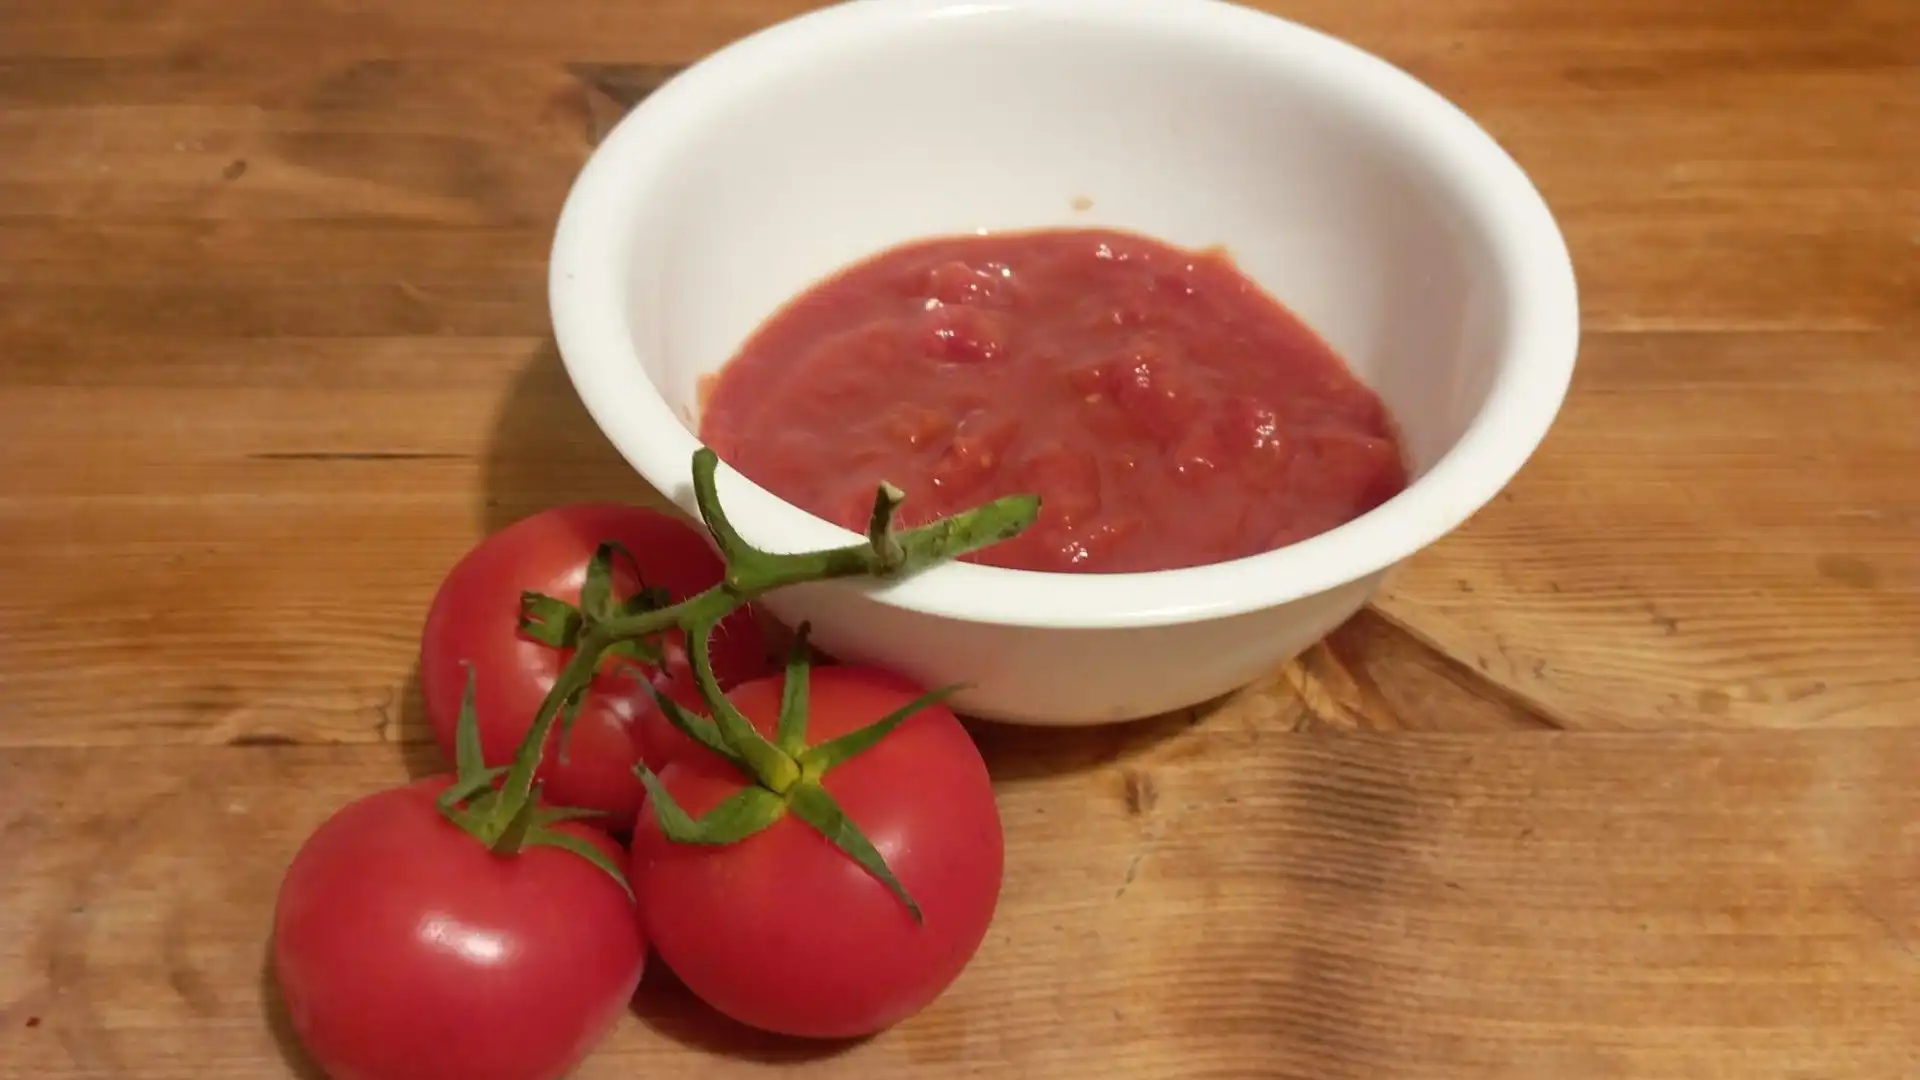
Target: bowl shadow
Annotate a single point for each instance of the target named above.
(669, 1009)
(1016, 753)
(546, 451)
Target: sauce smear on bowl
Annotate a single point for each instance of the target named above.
(1168, 412)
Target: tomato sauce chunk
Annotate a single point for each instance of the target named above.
(1168, 412)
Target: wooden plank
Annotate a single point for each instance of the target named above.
(1734, 135)
(1182, 900)
(1661, 564)
(1719, 531)
(191, 30)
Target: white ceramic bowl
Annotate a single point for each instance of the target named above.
(1365, 202)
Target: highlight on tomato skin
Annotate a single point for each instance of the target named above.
(783, 931)
(474, 623)
(405, 950)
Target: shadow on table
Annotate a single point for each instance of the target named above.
(418, 752)
(545, 450)
(661, 1003)
(670, 1009)
(1017, 752)
(280, 1025)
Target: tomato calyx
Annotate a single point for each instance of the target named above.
(780, 775)
(508, 817)
(785, 772)
(553, 622)
(557, 624)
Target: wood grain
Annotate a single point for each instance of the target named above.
(1236, 901)
(1618, 781)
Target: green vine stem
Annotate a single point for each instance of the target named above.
(784, 772)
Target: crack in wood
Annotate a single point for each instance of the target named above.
(262, 739)
(1373, 673)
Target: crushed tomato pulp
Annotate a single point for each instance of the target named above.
(1167, 411)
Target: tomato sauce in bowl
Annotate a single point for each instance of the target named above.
(1167, 410)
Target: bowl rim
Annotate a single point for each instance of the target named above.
(588, 273)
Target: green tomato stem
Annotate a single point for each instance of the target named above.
(785, 772)
(886, 546)
(508, 826)
(790, 733)
(753, 572)
(772, 767)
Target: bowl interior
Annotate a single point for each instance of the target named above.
(1050, 115)
(1365, 202)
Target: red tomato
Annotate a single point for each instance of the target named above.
(785, 932)
(406, 950)
(475, 620)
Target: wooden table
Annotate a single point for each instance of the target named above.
(1621, 780)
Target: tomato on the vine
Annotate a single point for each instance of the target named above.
(405, 949)
(829, 883)
(783, 930)
(475, 620)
